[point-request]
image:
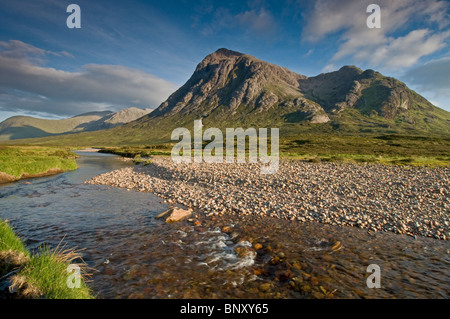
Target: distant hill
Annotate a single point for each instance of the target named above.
(19, 127)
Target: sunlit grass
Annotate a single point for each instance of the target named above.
(48, 272)
(389, 150)
(9, 240)
(361, 158)
(32, 160)
(43, 274)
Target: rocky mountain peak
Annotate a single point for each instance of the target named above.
(232, 87)
(225, 54)
(229, 78)
(219, 57)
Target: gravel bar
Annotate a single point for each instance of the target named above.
(401, 199)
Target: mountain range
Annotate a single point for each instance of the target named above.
(232, 89)
(18, 127)
(235, 88)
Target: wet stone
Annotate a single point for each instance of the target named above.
(264, 287)
(258, 246)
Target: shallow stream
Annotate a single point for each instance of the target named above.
(133, 255)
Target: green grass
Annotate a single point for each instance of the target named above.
(9, 240)
(378, 145)
(384, 149)
(34, 160)
(361, 158)
(369, 138)
(45, 271)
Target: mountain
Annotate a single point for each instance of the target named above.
(232, 85)
(232, 89)
(18, 127)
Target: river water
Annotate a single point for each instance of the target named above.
(133, 255)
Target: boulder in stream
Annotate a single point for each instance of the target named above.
(175, 214)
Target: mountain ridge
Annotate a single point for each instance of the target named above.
(232, 89)
(18, 127)
(236, 88)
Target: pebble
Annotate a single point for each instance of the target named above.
(258, 246)
(264, 287)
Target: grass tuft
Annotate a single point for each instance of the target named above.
(45, 274)
(9, 240)
(48, 272)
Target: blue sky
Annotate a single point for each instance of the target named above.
(136, 53)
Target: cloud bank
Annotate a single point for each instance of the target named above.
(26, 84)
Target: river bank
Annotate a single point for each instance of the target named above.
(403, 200)
(40, 275)
(23, 162)
(6, 178)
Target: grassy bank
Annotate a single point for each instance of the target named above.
(17, 162)
(397, 149)
(384, 149)
(40, 275)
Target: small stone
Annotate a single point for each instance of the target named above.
(258, 246)
(177, 214)
(296, 265)
(243, 251)
(257, 272)
(317, 295)
(306, 288)
(275, 260)
(281, 255)
(337, 245)
(314, 281)
(227, 229)
(265, 287)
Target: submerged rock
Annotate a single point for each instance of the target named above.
(175, 214)
(336, 246)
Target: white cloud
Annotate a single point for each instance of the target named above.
(95, 87)
(329, 68)
(406, 51)
(391, 46)
(310, 51)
